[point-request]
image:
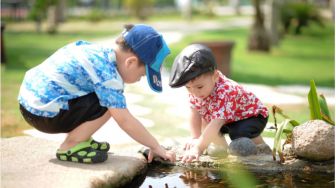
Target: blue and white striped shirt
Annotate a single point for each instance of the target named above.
(75, 70)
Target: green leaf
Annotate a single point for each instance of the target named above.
(288, 128)
(314, 105)
(278, 110)
(325, 110)
(239, 176)
(277, 147)
(294, 123)
(324, 106)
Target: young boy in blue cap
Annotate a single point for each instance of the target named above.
(79, 87)
(218, 104)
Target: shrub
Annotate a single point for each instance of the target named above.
(299, 15)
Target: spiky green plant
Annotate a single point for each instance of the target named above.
(318, 105)
(318, 110)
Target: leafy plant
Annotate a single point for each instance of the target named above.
(299, 15)
(318, 105)
(285, 127)
(318, 110)
(139, 8)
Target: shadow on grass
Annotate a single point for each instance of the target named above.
(273, 81)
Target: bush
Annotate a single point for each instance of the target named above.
(139, 8)
(95, 15)
(299, 15)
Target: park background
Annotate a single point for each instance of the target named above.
(276, 44)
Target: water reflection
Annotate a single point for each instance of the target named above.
(170, 177)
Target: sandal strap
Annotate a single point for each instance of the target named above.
(74, 154)
(102, 146)
(76, 148)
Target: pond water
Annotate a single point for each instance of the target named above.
(169, 177)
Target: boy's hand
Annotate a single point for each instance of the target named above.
(191, 143)
(191, 154)
(161, 152)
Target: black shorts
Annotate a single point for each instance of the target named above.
(250, 127)
(81, 109)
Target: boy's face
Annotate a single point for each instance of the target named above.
(136, 70)
(202, 86)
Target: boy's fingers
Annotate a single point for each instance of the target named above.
(184, 158)
(150, 157)
(186, 146)
(190, 159)
(171, 157)
(197, 157)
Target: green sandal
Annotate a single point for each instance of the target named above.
(82, 153)
(101, 146)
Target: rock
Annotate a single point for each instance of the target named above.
(260, 163)
(31, 162)
(243, 147)
(288, 151)
(263, 149)
(314, 140)
(219, 151)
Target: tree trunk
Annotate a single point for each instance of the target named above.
(236, 5)
(38, 26)
(332, 8)
(60, 11)
(259, 39)
(187, 9)
(273, 20)
(52, 20)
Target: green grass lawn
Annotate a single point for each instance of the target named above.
(295, 61)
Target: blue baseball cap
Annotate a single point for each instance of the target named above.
(151, 48)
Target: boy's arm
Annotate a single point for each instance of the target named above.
(138, 132)
(211, 131)
(204, 140)
(195, 124)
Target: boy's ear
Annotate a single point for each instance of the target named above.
(216, 76)
(132, 60)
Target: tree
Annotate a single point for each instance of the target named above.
(258, 39)
(139, 8)
(52, 9)
(273, 22)
(38, 12)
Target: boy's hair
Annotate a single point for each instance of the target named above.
(121, 40)
(193, 61)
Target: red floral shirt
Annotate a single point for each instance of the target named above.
(228, 101)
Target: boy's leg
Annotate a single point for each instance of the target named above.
(250, 128)
(219, 139)
(84, 131)
(258, 140)
(218, 146)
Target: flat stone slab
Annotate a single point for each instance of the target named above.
(260, 163)
(31, 162)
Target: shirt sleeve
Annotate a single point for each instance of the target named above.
(110, 97)
(108, 84)
(192, 102)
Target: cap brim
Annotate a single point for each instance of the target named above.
(154, 79)
(153, 71)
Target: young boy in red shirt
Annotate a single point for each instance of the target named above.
(218, 105)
